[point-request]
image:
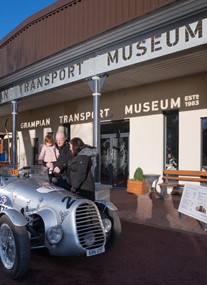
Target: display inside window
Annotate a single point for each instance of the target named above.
(171, 139)
(204, 143)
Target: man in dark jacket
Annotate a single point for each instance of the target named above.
(60, 166)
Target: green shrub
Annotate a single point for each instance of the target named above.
(138, 174)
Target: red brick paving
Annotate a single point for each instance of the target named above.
(148, 209)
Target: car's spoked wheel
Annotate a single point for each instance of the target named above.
(14, 248)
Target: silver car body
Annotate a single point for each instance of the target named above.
(29, 198)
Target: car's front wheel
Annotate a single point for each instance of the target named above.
(111, 221)
(14, 248)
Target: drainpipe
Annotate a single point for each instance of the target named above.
(15, 105)
(95, 83)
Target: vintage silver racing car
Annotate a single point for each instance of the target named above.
(35, 213)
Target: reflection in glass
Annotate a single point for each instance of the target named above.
(171, 139)
(204, 143)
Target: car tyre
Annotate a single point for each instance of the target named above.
(114, 234)
(14, 248)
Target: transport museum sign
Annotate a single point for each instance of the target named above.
(179, 39)
(125, 110)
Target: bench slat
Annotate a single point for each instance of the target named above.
(171, 184)
(185, 172)
(181, 178)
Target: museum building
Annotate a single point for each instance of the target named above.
(129, 77)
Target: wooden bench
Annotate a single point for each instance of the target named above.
(177, 178)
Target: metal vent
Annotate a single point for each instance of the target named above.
(89, 226)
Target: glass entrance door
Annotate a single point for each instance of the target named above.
(114, 159)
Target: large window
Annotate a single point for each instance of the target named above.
(114, 153)
(171, 139)
(204, 143)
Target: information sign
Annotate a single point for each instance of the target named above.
(193, 202)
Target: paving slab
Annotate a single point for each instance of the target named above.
(150, 210)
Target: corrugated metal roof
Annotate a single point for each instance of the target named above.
(65, 24)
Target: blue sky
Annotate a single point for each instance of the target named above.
(14, 12)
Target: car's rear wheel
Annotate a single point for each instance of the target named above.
(14, 248)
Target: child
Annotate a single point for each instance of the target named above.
(49, 152)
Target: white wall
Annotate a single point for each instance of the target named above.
(146, 144)
(83, 131)
(21, 155)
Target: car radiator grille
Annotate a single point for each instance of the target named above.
(89, 226)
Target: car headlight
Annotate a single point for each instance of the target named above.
(54, 234)
(107, 225)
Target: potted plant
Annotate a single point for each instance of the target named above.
(137, 185)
